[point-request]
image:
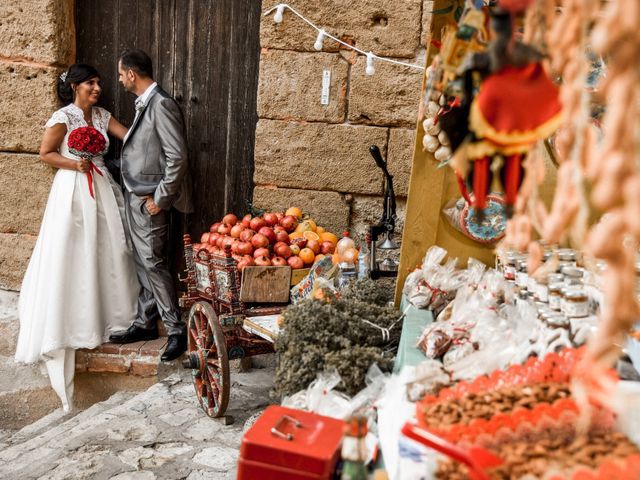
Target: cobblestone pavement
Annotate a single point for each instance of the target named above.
(158, 434)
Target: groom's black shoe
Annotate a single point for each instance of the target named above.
(176, 345)
(134, 334)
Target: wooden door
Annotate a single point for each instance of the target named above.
(205, 53)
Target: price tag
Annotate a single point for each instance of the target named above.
(326, 84)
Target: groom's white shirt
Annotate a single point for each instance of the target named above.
(142, 99)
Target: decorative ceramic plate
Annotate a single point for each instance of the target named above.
(491, 227)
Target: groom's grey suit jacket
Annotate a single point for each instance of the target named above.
(154, 154)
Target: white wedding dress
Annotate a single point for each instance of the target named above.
(81, 282)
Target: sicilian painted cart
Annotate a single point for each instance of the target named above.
(217, 325)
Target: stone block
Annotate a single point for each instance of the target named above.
(297, 95)
(154, 347)
(38, 30)
(107, 363)
(9, 323)
(427, 16)
(25, 182)
(144, 368)
(82, 361)
(317, 156)
(28, 100)
(367, 210)
(15, 251)
(390, 97)
(131, 348)
(386, 28)
(327, 208)
(400, 158)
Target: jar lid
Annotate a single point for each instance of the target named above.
(576, 294)
(558, 321)
(566, 254)
(573, 272)
(555, 278)
(556, 287)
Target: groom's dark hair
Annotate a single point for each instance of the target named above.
(138, 61)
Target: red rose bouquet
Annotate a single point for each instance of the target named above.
(88, 143)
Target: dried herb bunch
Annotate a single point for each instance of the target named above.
(346, 333)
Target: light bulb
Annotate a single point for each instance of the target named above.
(279, 13)
(319, 39)
(370, 68)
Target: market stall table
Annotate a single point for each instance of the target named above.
(414, 323)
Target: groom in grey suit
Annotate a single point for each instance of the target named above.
(155, 179)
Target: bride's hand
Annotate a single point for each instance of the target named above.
(82, 166)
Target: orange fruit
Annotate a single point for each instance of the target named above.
(329, 237)
(312, 223)
(320, 230)
(293, 235)
(295, 211)
(319, 257)
(307, 256)
(309, 235)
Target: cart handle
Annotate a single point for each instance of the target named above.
(285, 436)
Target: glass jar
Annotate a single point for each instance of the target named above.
(522, 276)
(558, 321)
(555, 296)
(567, 257)
(572, 275)
(576, 303)
(510, 266)
(542, 291)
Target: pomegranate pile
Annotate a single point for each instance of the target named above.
(270, 239)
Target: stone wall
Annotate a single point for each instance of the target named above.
(316, 156)
(36, 43)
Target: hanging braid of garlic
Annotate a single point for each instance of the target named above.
(615, 171)
(567, 41)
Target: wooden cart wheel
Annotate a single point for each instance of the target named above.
(207, 358)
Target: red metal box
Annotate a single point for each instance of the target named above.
(287, 444)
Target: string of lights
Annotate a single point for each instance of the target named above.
(278, 17)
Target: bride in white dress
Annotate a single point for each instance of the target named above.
(80, 285)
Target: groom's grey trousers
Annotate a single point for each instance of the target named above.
(149, 238)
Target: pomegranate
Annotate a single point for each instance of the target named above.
(227, 241)
(257, 223)
(244, 263)
(279, 228)
(224, 229)
(236, 230)
(289, 223)
(204, 238)
(213, 238)
(219, 241)
(283, 237)
(245, 248)
(263, 261)
(230, 219)
(246, 220)
(295, 262)
(271, 219)
(278, 262)
(300, 241)
(214, 227)
(282, 250)
(327, 248)
(314, 245)
(246, 234)
(268, 232)
(261, 252)
(259, 240)
(280, 216)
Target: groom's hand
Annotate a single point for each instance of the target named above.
(151, 206)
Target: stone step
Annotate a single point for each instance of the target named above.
(160, 433)
(57, 417)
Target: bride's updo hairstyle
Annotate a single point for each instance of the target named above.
(77, 73)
